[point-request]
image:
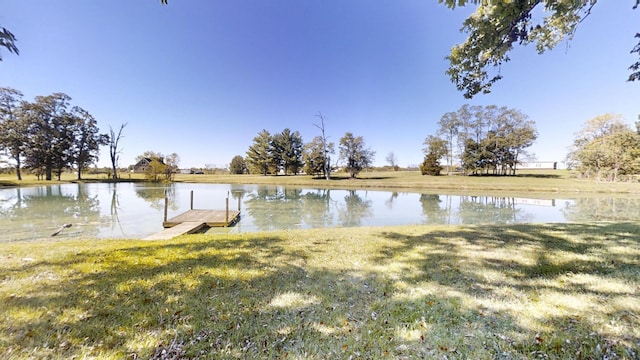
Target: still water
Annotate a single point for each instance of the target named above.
(135, 210)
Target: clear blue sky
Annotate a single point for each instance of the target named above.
(201, 78)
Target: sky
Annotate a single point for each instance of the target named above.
(202, 78)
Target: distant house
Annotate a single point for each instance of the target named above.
(538, 165)
(142, 165)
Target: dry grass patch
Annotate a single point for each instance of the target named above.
(560, 291)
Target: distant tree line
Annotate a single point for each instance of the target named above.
(481, 139)
(286, 153)
(48, 135)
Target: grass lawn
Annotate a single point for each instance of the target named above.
(545, 183)
(559, 291)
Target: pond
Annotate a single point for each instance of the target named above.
(135, 210)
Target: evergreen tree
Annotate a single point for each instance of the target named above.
(259, 158)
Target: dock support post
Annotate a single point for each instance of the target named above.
(166, 205)
(191, 200)
(239, 203)
(227, 217)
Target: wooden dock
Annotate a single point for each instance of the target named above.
(211, 218)
(194, 220)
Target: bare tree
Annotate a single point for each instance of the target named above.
(325, 148)
(392, 160)
(114, 140)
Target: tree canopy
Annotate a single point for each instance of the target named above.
(496, 26)
(486, 139)
(354, 153)
(606, 148)
(8, 41)
(47, 134)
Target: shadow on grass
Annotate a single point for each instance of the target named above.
(476, 292)
(564, 286)
(7, 183)
(534, 176)
(540, 176)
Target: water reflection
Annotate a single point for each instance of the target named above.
(432, 209)
(602, 209)
(354, 210)
(135, 210)
(40, 211)
(491, 209)
(317, 209)
(274, 207)
(155, 195)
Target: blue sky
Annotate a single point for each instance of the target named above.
(201, 78)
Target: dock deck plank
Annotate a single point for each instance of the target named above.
(213, 218)
(194, 220)
(180, 229)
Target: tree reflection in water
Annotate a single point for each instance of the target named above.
(490, 209)
(355, 209)
(431, 209)
(291, 208)
(275, 207)
(39, 211)
(135, 209)
(155, 195)
(316, 207)
(603, 209)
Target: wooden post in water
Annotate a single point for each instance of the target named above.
(191, 200)
(238, 203)
(166, 205)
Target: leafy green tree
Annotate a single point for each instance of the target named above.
(8, 41)
(259, 160)
(435, 148)
(86, 139)
(518, 133)
(473, 158)
(48, 127)
(157, 166)
(172, 162)
(13, 134)
(155, 169)
(605, 148)
(315, 156)
(237, 165)
(489, 138)
(354, 154)
(496, 26)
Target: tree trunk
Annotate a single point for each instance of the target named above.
(48, 172)
(18, 170)
(327, 168)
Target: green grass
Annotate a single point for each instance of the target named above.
(561, 291)
(547, 183)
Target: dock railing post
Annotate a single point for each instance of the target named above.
(166, 205)
(191, 200)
